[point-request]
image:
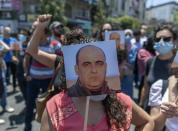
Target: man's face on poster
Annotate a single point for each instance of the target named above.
(91, 67)
(115, 36)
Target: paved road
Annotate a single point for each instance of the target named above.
(15, 120)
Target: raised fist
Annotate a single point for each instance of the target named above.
(43, 20)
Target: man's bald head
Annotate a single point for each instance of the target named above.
(115, 36)
(91, 67)
(7, 32)
(89, 49)
(107, 26)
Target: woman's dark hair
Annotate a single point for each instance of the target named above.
(76, 36)
(115, 110)
(148, 45)
(165, 26)
(136, 32)
(100, 37)
(122, 55)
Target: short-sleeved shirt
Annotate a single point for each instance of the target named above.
(157, 99)
(38, 70)
(157, 69)
(155, 96)
(9, 42)
(65, 117)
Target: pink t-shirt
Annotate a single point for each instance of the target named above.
(65, 117)
(143, 57)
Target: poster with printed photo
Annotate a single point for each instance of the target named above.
(118, 36)
(91, 69)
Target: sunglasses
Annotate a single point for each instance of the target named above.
(165, 39)
(59, 27)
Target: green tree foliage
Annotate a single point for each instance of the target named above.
(100, 15)
(126, 22)
(54, 7)
(176, 17)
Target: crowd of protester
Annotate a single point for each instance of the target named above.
(144, 62)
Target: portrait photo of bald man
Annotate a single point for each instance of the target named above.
(118, 36)
(91, 69)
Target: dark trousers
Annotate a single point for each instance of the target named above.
(1, 84)
(22, 85)
(11, 68)
(33, 89)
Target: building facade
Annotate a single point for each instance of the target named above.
(8, 13)
(22, 13)
(162, 12)
(134, 8)
(78, 13)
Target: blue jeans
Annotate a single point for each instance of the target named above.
(33, 89)
(4, 96)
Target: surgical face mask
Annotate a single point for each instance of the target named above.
(127, 38)
(22, 38)
(98, 97)
(163, 47)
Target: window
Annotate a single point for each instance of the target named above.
(123, 5)
(83, 13)
(68, 10)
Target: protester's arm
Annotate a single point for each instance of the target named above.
(168, 110)
(141, 119)
(6, 47)
(46, 124)
(173, 89)
(41, 56)
(144, 92)
(26, 66)
(159, 118)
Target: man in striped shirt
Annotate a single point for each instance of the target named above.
(38, 77)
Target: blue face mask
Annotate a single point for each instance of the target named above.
(22, 38)
(127, 38)
(163, 47)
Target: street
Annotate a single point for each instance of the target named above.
(15, 120)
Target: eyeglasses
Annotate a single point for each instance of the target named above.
(165, 39)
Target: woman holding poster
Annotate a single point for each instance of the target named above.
(106, 111)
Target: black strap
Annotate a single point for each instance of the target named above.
(55, 74)
(165, 86)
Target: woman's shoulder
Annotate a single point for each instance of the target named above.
(59, 100)
(60, 108)
(127, 102)
(125, 99)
